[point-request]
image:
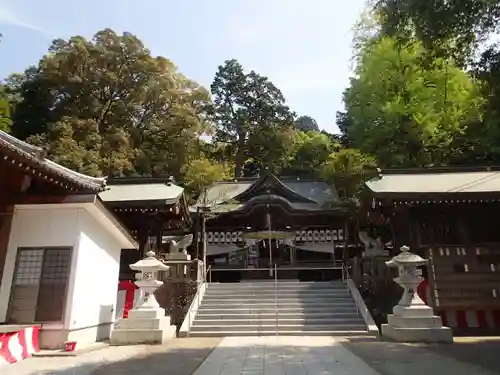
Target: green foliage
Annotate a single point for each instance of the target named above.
(310, 150)
(447, 28)
(5, 111)
(404, 113)
(250, 114)
(147, 115)
(306, 124)
(202, 173)
(347, 169)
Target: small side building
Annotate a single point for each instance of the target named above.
(59, 248)
(154, 210)
(447, 215)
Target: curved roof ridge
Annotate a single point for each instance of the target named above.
(37, 155)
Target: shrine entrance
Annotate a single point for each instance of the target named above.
(273, 252)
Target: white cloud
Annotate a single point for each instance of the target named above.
(9, 17)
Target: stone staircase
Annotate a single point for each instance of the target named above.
(302, 308)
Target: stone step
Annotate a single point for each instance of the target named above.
(132, 324)
(281, 301)
(141, 336)
(281, 281)
(281, 327)
(272, 293)
(216, 309)
(281, 285)
(281, 305)
(294, 308)
(202, 315)
(354, 320)
(361, 333)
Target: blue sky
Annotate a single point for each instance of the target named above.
(303, 46)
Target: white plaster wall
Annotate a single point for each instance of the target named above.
(36, 227)
(93, 300)
(93, 282)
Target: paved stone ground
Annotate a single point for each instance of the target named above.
(481, 351)
(178, 357)
(389, 358)
(285, 355)
(276, 355)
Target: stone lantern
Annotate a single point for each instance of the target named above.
(412, 320)
(146, 322)
(147, 280)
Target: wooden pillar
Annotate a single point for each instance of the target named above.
(461, 227)
(6, 217)
(159, 236)
(142, 237)
(401, 227)
(345, 254)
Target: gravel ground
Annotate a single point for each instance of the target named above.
(178, 357)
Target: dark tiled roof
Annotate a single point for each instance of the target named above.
(34, 157)
(223, 196)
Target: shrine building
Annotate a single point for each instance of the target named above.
(447, 215)
(256, 225)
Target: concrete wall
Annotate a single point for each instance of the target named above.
(91, 294)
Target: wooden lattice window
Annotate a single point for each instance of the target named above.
(40, 283)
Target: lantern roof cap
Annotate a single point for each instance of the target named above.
(150, 263)
(406, 258)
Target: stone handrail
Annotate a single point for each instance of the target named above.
(360, 303)
(195, 305)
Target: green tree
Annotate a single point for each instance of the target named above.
(74, 143)
(202, 173)
(306, 124)
(311, 150)
(403, 113)
(447, 28)
(5, 110)
(148, 115)
(347, 169)
(251, 117)
(480, 143)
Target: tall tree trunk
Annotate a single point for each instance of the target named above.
(240, 156)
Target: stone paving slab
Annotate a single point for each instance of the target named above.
(390, 358)
(275, 355)
(284, 355)
(481, 351)
(177, 357)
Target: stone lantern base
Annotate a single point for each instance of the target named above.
(416, 324)
(143, 326)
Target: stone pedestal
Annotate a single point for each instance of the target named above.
(416, 324)
(412, 320)
(146, 322)
(143, 327)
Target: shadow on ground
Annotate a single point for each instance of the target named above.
(178, 357)
(467, 356)
(481, 351)
(176, 361)
(389, 358)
